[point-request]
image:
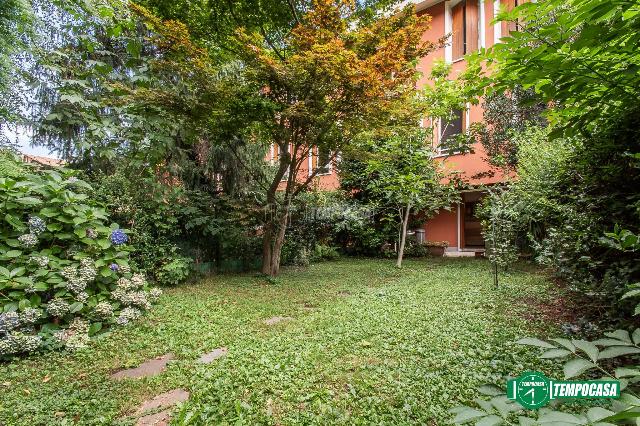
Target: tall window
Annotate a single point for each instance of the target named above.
(465, 26)
(451, 128)
(321, 160)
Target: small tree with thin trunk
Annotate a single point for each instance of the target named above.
(328, 80)
(402, 172)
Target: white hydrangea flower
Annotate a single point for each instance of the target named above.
(87, 271)
(27, 343)
(138, 280)
(41, 261)
(138, 298)
(58, 307)
(28, 240)
(18, 343)
(127, 315)
(6, 346)
(9, 321)
(36, 225)
(76, 336)
(125, 269)
(30, 316)
(76, 285)
(82, 297)
(125, 284)
(103, 310)
(154, 294)
(68, 272)
(119, 294)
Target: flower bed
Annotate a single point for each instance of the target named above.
(64, 270)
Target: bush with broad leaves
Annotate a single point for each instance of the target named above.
(64, 270)
(613, 357)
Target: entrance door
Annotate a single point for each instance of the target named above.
(472, 227)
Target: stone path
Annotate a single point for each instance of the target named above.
(146, 369)
(212, 356)
(163, 402)
(276, 320)
(162, 418)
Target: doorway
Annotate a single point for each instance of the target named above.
(472, 227)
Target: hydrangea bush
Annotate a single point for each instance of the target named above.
(64, 270)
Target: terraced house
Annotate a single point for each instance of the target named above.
(469, 25)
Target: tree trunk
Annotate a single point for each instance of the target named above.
(272, 242)
(266, 249)
(278, 243)
(403, 236)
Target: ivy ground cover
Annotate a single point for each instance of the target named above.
(362, 343)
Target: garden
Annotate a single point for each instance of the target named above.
(360, 341)
(228, 231)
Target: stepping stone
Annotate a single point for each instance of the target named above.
(149, 368)
(212, 356)
(276, 320)
(162, 418)
(164, 400)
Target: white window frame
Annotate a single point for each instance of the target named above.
(497, 27)
(448, 26)
(438, 136)
(482, 43)
(311, 169)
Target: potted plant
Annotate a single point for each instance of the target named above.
(436, 248)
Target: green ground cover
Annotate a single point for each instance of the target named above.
(367, 343)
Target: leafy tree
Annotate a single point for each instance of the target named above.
(579, 54)
(401, 171)
(505, 115)
(15, 28)
(329, 81)
(499, 229)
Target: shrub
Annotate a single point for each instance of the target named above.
(174, 271)
(608, 358)
(415, 249)
(64, 270)
(324, 252)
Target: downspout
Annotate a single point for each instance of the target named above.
(458, 215)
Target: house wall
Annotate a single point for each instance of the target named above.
(324, 182)
(471, 167)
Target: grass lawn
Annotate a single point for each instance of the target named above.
(366, 344)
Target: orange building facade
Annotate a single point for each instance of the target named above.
(469, 23)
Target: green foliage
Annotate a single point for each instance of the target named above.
(174, 271)
(9, 166)
(505, 116)
(500, 220)
(322, 252)
(64, 267)
(579, 54)
(399, 172)
(15, 27)
(385, 335)
(577, 57)
(612, 357)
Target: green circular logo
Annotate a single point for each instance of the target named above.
(532, 390)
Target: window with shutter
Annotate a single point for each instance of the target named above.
(465, 28)
(471, 22)
(458, 29)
